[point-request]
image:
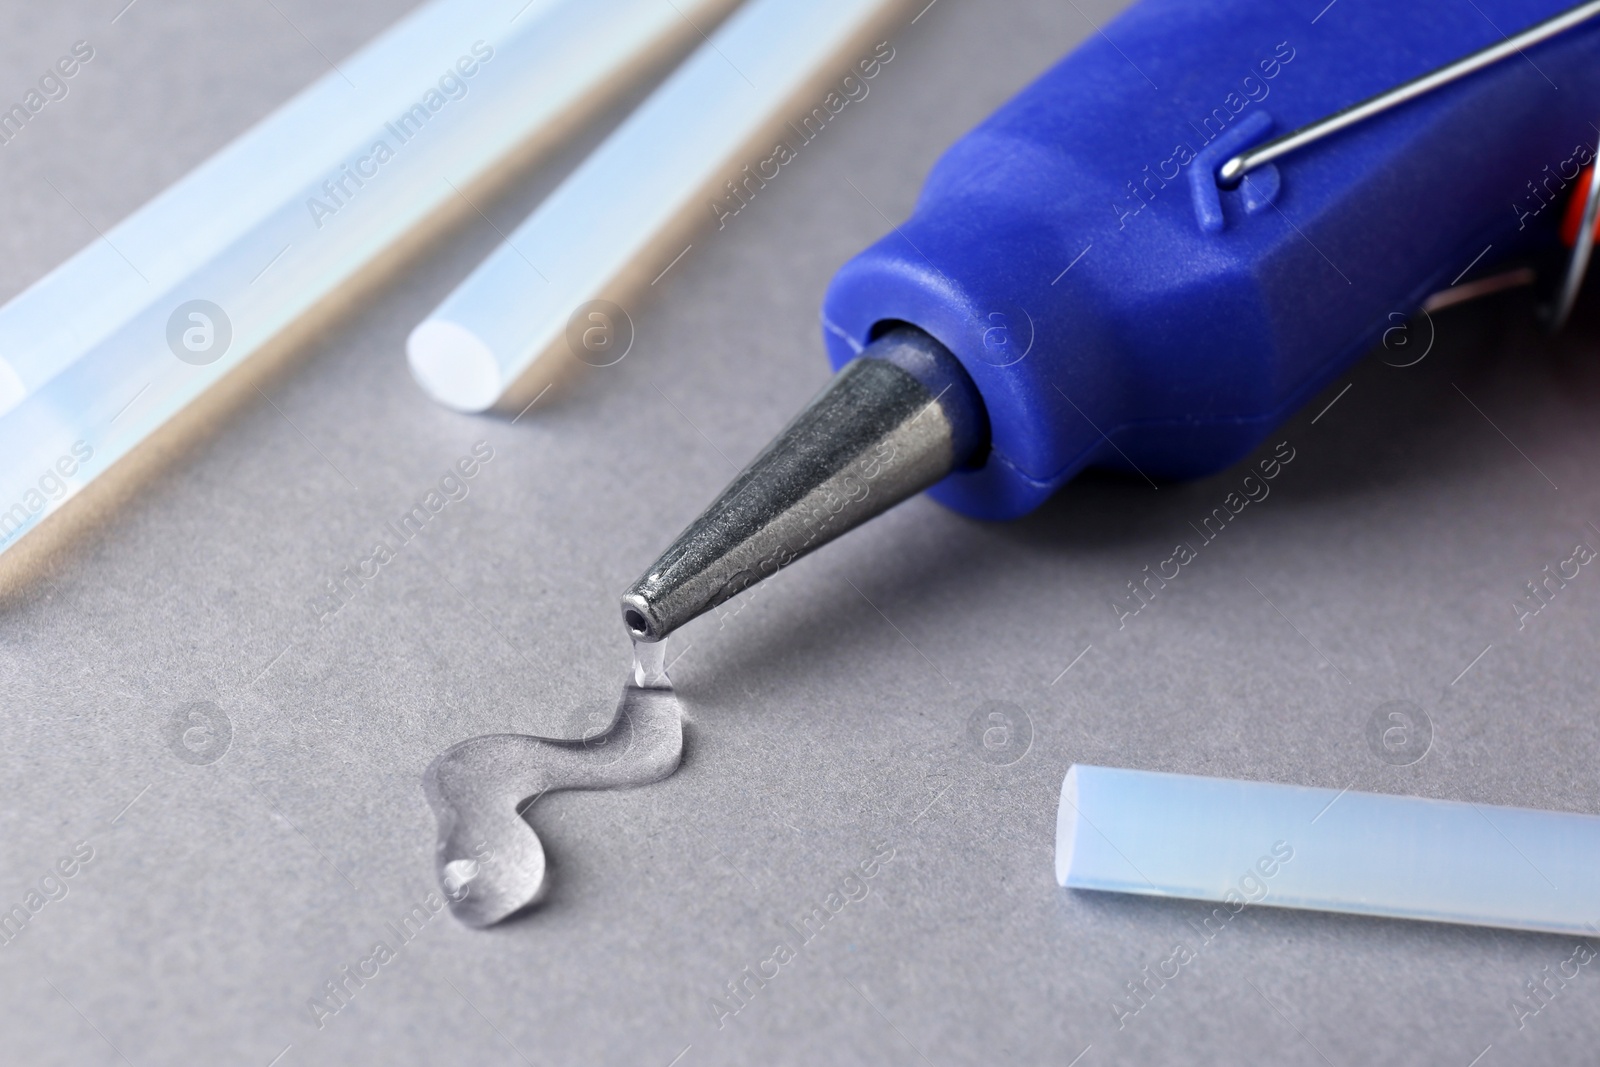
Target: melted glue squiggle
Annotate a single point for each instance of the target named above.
(490, 862)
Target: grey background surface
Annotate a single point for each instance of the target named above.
(822, 719)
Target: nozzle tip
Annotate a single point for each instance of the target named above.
(636, 616)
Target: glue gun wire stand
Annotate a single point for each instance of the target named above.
(891, 424)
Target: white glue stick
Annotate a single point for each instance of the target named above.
(672, 154)
(112, 344)
(1240, 843)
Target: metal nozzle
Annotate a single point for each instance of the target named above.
(888, 426)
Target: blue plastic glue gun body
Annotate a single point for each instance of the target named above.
(1076, 288)
(1116, 307)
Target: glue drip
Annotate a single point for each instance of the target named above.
(490, 861)
(650, 665)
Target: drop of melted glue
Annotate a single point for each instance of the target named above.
(490, 862)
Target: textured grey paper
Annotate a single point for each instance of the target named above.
(841, 715)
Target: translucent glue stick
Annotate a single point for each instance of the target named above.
(1242, 843)
(677, 151)
(111, 344)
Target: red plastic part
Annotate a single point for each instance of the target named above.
(1574, 216)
